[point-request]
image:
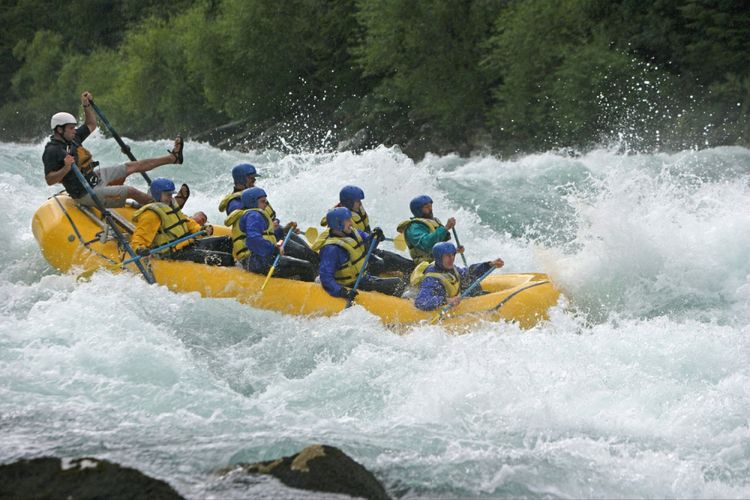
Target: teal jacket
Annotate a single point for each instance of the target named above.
(418, 235)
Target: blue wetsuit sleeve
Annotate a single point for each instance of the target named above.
(254, 224)
(233, 205)
(421, 237)
(330, 260)
(431, 294)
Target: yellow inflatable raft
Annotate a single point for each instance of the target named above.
(72, 237)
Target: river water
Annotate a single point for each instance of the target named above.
(638, 386)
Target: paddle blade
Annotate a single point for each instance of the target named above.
(311, 234)
(399, 242)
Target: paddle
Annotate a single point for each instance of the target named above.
(161, 248)
(86, 274)
(311, 234)
(458, 244)
(373, 244)
(399, 242)
(124, 147)
(439, 316)
(111, 222)
(276, 260)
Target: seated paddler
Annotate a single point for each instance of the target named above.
(343, 254)
(161, 222)
(244, 176)
(256, 242)
(441, 282)
(381, 261)
(423, 230)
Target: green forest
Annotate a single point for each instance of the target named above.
(429, 75)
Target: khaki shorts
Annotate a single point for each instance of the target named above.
(110, 196)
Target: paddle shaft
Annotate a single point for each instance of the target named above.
(276, 260)
(163, 247)
(373, 244)
(464, 294)
(458, 244)
(111, 222)
(124, 147)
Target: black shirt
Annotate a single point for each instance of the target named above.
(54, 159)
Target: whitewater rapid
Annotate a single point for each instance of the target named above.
(638, 386)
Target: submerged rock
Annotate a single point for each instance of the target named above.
(50, 477)
(321, 468)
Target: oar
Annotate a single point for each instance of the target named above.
(124, 147)
(373, 244)
(111, 222)
(399, 242)
(87, 274)
(311, 234)
(458, 244)
(439, 316)
(161, 248)
(276, 260)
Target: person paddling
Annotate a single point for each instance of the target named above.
(342, 256)
(381, 260)
(65, 147)
(244, 176)
(255, 242)
(161, 222)
(424, 230)
(442, 282)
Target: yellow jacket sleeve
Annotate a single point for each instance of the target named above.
(145, 230)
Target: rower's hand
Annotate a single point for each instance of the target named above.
(454, 301)
(378, 233)
(69, 160)
(86, 98)
(498, 263)
(450, 224)
(142, 251)
(280, 247)
(460, 249)
(351, 294)
(209, 229)
(291, 226)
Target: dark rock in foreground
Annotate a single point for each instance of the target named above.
(80, 478)
(322, 468)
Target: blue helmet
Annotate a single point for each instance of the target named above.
(241, 171)
(417, 203)
(336, 217)
(349, 194)
(441, 249)
(160, 185)
(250, 197)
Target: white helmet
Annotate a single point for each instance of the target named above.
(61, 119)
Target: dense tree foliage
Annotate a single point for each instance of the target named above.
(440, 75)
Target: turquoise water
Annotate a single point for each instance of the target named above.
(638, 386)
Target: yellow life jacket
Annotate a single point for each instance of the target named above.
(239, 238)
(322, 237)
(85, 161)
(354, 244)
(174, 224)
(360, 220)
(224, 203)
(450, 280)
(417, 254)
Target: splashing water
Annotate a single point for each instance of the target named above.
(639, 388)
